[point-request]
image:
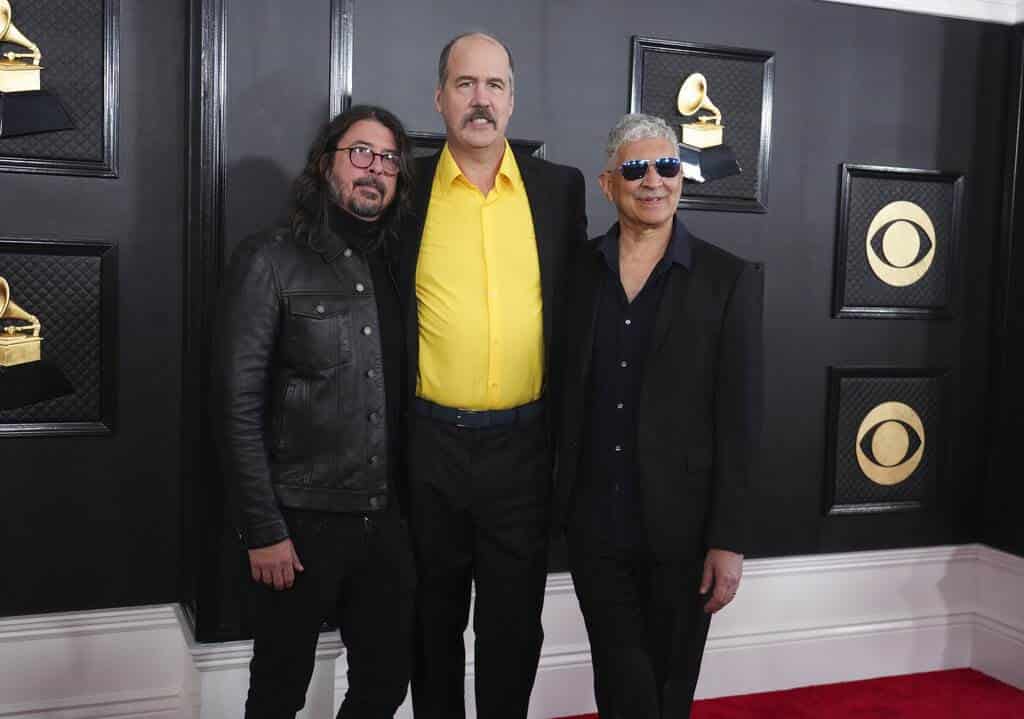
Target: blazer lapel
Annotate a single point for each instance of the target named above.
(541, 208)
(673, 309)
(412, 227)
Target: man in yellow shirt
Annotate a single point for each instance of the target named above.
(482, 268)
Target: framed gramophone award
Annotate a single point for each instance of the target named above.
(57, 337)
(719, 99)
(58, 87)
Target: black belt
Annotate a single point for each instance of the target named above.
(475, 418)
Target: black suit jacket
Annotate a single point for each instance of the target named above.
(699, 419)
(558, 205)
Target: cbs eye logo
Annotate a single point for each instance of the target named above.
(890, 443)
(900, 243)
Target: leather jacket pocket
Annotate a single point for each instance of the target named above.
(316, 331)
(289, 408)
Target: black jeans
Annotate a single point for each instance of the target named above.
(647, 628)
(359, 572)
(479, 510)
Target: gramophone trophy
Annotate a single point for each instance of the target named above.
(19, 343)
(703, 152)
(24, 107)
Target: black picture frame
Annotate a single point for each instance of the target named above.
(429, 142)
(748, 191)
(919, 488)
(857, 291)
(101, 379)
(107, 164)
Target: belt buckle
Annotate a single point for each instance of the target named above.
(459, 414)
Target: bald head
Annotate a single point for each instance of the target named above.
(442, 63)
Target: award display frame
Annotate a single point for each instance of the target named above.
(745, 82)
(429, 142)
(72, 287)
(860, 401)
(866, 192)
(63, 152)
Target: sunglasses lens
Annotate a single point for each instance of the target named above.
(667, 166)
(633, 169)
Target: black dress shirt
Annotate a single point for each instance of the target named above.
(609, 509)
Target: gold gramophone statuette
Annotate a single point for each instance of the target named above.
(19, 343)
(693, 97)
(19, 71)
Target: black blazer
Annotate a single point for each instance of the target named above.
(699, 419)
(558, 205)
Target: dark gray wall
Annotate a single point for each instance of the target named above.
(95, 521)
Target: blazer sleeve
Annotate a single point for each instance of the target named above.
(738, 409)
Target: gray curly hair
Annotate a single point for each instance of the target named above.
(638, 126)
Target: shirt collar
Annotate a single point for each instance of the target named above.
(678, 252)
(508, 171)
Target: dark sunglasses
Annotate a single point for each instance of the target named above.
(635, 169)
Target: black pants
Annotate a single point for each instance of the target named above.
(647, 629)
(480, 501)
(359, 572)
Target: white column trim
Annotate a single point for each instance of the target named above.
(1005, 12)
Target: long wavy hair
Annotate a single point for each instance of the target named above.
(311, 195)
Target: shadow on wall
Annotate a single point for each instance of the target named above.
(261, 190)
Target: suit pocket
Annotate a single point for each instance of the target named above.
(317, 333)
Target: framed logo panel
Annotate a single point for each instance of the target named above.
(716, 98)
(57, 337)
(896, 242)
(885, 438)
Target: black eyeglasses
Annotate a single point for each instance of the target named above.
(635, 169)
(362, 157)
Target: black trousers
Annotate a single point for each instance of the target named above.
(359, 572)
(479, 510)
(647, 629)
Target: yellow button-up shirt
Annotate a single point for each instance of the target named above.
(481, 330)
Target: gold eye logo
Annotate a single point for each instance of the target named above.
(900, 243)
(890, 443)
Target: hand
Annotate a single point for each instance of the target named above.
(275, 565)
(722, 571)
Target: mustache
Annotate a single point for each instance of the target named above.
(479, 113)
(371, 181)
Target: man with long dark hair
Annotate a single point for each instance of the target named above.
(308, 362)
(483, 260)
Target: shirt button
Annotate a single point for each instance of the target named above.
(360, 287)
(347, 252)
(367, 330)
(629, 322)
(371, 373)
(619, 405)
(623, 363)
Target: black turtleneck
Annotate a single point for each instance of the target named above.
(361, 235)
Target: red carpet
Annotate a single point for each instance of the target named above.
(955, 694)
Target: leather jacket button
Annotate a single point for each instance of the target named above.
(367, 330)
(347, 252)
(374, 417)
(371, 373)
(373, 459)
(360, 287)
(320, 309)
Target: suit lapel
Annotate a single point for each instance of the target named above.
(585, 297)
(541, 208)
(412, 227)
(673, 310)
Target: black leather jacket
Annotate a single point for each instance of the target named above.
(299, 406)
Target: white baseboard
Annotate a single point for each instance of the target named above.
(1004, 12)
(797, 621)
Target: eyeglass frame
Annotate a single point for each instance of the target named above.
(658, 163)
(384, 157)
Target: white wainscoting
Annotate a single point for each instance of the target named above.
(1005, 12)
(797, 621)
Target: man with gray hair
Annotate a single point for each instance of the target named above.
(659, 429)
